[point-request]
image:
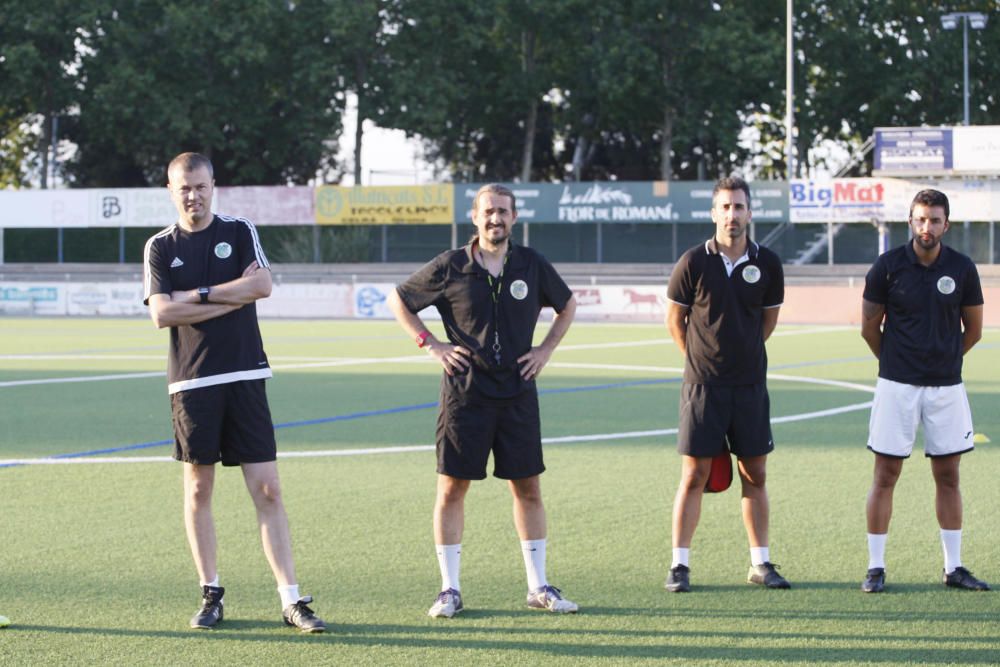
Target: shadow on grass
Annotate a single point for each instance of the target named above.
(472, 632)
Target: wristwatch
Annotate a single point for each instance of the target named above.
(422, 338)
(203, 293)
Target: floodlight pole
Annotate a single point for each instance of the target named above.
(789, 94)
(950, 22)
(965, 69)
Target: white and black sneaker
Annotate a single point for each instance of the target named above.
(447, 604)
(550, 598)
(211, 608)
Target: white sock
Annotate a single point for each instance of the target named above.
(876, 550)
(951, 542)
(760, 555)
(214, 583)
(534, 563)
(450, 562)
(289, 594)
(681, 555)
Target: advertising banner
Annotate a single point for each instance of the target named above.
(977, 150)
(267, 205)
(626, 201)
(850, 200)
(113, 299)
(308, 300)
(532, 200)
(910, 151)
(32, 299)
(693, 200)
(937, 151)
(385, 205)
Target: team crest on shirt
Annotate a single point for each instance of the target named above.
(751, 274)
(519, 289)
(223, 250)
(946, 284)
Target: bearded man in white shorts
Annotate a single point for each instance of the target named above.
(922, 311)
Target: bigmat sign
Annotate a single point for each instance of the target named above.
(850, 200)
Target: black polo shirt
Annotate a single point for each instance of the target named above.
(223, 349)
(725, 336)
(922, 334)
(455, 284)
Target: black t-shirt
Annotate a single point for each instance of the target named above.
(725, 335)
(460, 289)
(922, 334)
(223, 349)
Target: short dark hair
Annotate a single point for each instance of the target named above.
(930, 197)
(190, 162)
(496, 189)
(731, 183)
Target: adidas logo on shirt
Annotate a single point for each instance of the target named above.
(177, 262)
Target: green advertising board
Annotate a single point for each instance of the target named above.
(626, 201)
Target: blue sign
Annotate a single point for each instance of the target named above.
(913, 150)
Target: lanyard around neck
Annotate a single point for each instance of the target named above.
(496, 284)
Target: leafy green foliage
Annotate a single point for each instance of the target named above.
(246, 83)
(565, 89)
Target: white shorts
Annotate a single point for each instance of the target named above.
(899, 408)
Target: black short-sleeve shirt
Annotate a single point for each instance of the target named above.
(922, 334)
(223, 349)
(725, 335)
(459, 288)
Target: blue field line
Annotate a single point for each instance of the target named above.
(112, 450)
(356, 415)
(427, 406)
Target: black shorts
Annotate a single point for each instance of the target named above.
(712, 416)
(225, 422)
(468, 431)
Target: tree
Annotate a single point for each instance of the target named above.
(666, 85)
(863, 64)
(638, 89)
(466, 76)
(243, 82)
(39, 77)
(358, 32)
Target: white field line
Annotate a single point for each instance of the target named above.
(87, 378)
(81, 357)
(161, 459)
(425, 448)
(328, 363)
(672, 431)
(279, 367)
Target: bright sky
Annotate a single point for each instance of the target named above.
(387, 156)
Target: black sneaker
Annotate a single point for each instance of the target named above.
(875, 580)
(678, 580)
(766, 575)
(211, 608)
(302, 617)
(962, 578)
